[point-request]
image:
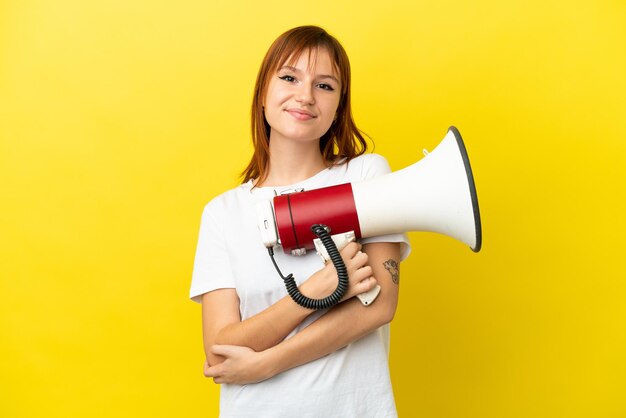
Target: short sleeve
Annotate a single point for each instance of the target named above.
(211, 269)
(374, 166)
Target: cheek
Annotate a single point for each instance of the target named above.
(335, 103)
(332, 108)
(275, 94)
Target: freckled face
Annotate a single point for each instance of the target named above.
(302, 99)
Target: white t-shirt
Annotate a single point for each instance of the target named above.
(351, 382)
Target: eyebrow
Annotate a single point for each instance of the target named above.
(295, 70)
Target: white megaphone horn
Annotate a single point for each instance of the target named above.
(436, 194)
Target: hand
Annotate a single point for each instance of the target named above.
(241, 365)
(360, 278)
(360, 274)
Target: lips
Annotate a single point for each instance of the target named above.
(301, 114)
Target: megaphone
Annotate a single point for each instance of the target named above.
(436, 194)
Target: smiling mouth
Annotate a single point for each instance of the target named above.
(300, 114)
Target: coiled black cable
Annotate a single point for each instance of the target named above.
(323, 233)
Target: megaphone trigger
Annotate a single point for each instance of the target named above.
(341, 240)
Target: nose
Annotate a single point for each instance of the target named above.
(305, 94)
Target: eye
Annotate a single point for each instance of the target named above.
(326, 87)
(287, 78)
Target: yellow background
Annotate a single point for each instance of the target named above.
(120, 119)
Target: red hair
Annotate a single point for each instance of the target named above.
(343, 140)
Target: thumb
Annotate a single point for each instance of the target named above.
(212, 371)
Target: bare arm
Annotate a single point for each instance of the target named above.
(220, 308)
(342, 325)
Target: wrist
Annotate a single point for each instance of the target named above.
(320, 284)
(270, 362)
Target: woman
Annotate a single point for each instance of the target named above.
(273, 357)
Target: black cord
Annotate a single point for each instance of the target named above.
(323, 234)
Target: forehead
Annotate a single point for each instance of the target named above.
(311, 59)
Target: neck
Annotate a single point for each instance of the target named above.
(293, 161)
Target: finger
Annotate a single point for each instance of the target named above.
(350, 250)
(365, 285)
(366, 271)
(359, 260)
(213, 371)
(359, 275)
(222, 350)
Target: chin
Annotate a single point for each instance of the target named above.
(303, 137)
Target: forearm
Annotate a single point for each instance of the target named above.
(343, 324)
(267, 328)
(223, 326)
(241, 365)
(339, 327)
(346, 322)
